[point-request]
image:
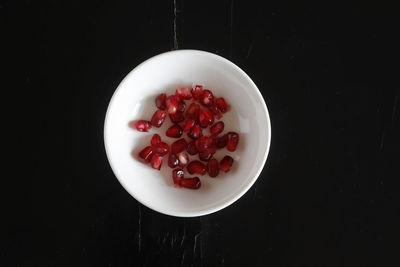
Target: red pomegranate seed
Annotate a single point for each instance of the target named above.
(207, 98)
(156, 161)
(221, 105)
(222, 141)
(178, 146)
(183, 158)
(226, 163)
(214, 140)
(177, 176)
(203, 142)
(197, 91)
(192, 111)
(213, 167)
(173, 160)
(146, 154)
(155, 140)
(175, 131)
(191, 183)
(184, 93)
(143, 126)
(181, 107)
(195, 132)
(172, 103)
(158, 118)
(217, 128)
(233, 140)
(176, 117)
(214, 110)
(191, 148)
(189, 123)
(161, 148)
(206, 118)
(160, 101)
(207, 154)
(197, 167)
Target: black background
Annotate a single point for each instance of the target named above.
(327, 196)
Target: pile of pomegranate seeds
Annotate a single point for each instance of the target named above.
(192, 120)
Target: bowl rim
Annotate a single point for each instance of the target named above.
(219, 206)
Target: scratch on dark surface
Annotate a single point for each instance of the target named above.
(175, 35)
(195, 243)
(140, 230)
(396, 101)
(183, 258)
(249, 50)
(231, 33)
(184, 232)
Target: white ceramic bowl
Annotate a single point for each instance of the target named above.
(134, 99)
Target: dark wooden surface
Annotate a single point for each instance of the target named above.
(327, 196)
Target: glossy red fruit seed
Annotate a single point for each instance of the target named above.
(155, 140)
(197, 91)
(226, 163)
(173, 160)
(189, 123)
(184, 93)
(222, 141)
(172, 103)
(217, 128)
(160, 101)
(197, 167)
(207, 154)
(178, 146)
(207, 98)
(213, 167)
(221, 104)
(161, 148)
(214, 110)
(175, 131)
(183, 158)
(143, 126)
(177, 176)
(176, 117)
(181, 107)
(192, 111)
(156, 161)
(195, 132)
(191, 148)
(233, 140)
(191, 183)
(206, 118)
(146, 154)
(158, 118)
(203, 142)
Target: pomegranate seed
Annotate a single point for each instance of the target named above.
(156, 161)
(197, 91)
(222, 141)
(172, 103)
(207, 154)
(175, 131)
(178, 146)
(177, 176)
(195, 132)
(191, 148)
(191, 183)
(184, 93)
(213, 167)
(202, 143)
(214, 140)
(221, 105)
(176, 117)
(233, 140)
(217, 127)
(161, 148)
(214, 110)
(207, 98)
(189, 123)
(143, 126)
(158, 118)
(155, 140)
(193, 111)
(183, 158)
(173, 160)
(226, 163)
(197, 167)
(181, 107)
(206, 118)
(160, 101)
(146, 154)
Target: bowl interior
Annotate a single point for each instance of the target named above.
(134, 99)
